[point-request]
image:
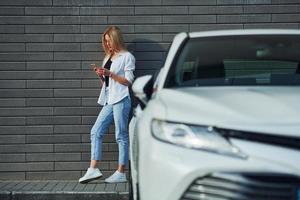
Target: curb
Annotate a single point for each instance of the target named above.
(61, 195)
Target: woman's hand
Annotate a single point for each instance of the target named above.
(98, 71)
(105, 71)
(101, 71)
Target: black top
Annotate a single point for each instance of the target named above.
(107, 66)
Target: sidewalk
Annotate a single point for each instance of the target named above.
(62, 190)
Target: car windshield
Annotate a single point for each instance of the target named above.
(237, 60)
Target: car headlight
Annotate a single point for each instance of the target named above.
(195, 137)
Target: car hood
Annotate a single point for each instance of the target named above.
(274, 110)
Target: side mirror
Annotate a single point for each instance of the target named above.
(143, 88)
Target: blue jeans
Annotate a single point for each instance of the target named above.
(119, 112)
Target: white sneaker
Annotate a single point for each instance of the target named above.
(91, 174)
(117, 177)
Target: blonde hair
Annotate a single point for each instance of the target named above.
(114, 33)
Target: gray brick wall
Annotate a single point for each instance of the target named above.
(48, 92)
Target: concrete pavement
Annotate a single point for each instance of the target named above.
(62, 190)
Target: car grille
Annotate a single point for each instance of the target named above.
(227, 186)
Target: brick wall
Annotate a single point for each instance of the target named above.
(48, 92)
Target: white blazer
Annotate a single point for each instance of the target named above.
(122, 65)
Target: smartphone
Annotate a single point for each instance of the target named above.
(94, 67)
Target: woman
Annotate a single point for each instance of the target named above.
(115, 77)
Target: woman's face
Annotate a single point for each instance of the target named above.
(108, 42)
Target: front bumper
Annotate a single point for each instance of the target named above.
(168, 172)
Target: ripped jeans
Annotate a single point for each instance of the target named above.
(119, 112)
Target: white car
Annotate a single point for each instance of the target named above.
(221, 121)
